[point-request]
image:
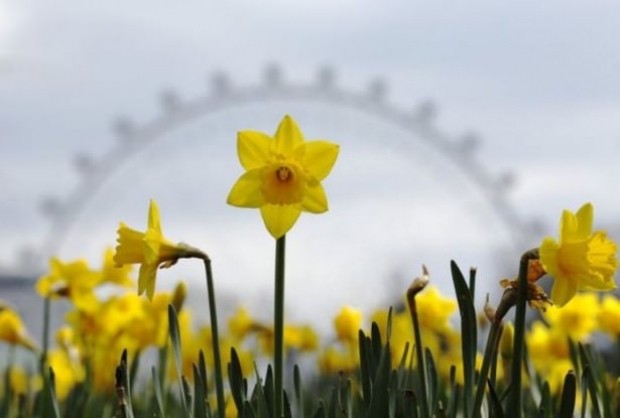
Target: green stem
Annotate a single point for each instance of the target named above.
(489, 355)
(419, 350)
(514, 401)
(279, 326)
(46, 331)
(219, 380)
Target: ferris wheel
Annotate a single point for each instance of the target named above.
(402, 188)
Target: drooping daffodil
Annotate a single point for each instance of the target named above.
(149, 249)
(283, 175)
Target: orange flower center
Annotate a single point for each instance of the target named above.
(283, 183)
(284, 174)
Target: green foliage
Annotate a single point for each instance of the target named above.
(414, 387)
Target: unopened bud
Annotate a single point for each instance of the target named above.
(416, 287)
(489, 311)
(179, 295)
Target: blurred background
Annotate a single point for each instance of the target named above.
(465, 130)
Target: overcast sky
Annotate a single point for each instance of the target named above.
(537, 81)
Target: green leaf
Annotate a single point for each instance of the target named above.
(200, 394)
(590, 379)
(123, 387)
(332, 406)
(299, 395)
(187, 391)
(496, 405)
(433, 381)
(175, 339)
(238, 386)
(468, 333)
(50, 401)
(159, 398)
(258, 398)
(379, 406)
(269, 390)
(365, 374)
(287, 406)
(569, 393)
(320, 410)
(545, 408)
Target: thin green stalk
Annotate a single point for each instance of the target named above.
(514, 400)
(278, 356)
(46, 331)
(219, 379)
(419, 350)
(40, 406)
(489, 355)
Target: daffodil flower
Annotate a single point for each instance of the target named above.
(13, 331)
(581, 260)
(74, 280)
(149, 249)
(283, 175)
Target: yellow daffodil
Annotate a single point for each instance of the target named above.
(73, 280)
(348, 323)
(333, 361)
(581, 260)
(13, 331)
(149, 249)
(609, 316)
(577, 319)
(67, 372)
(283, 175)
(241, 323)
(434, 310)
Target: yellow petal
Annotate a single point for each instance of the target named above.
(154, 222)
(146, 280)
(279, 219)
(602, 255)
(585, 216)
(563, 290)
(596, 282)
(246, 191)
(568, 226)
(150, 246)
(548, 253)
(320, 157)
(315, 200)
(288, 136)
(253, 148)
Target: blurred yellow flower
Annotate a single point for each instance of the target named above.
(19, 381)
(112, 274)
(333, 361)
(149, 249)
(301, 338)
(68, 371)
(74, 280)
(434, 310)
(283, 175)
(577, 319)
(581, 260)
(13, 331)
(609, 316)
(240, 324)
(348, 323)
